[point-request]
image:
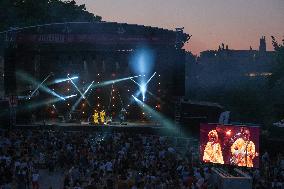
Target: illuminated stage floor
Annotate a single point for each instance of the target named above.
(139, 127)
(87, 124)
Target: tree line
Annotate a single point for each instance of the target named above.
(19, 13)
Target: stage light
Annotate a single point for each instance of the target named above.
(142, 61)
(71, 96)
(42, 103)
(76, 88)
(88, 88)
(143, 86)
(31, 80)
(143, 90)
(105, 83)
(68, 104)
(40, 85)
(156, 116)
(150, 78)
(83, 112)
(79, 100)
(63, 80)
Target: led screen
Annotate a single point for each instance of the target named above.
(228, 144)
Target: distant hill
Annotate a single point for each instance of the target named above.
(18, 13)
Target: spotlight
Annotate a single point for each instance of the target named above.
(143, 90)
(156, 116)
(63, 80)
(76, 88)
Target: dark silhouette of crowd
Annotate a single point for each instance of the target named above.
(109, 160)
(96, 160)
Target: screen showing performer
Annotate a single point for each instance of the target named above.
(213, 150)
(227, 144)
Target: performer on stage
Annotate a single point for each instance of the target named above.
(243, 150)
(102, 116)
(213, 150)
(122, 115)
(96, 117)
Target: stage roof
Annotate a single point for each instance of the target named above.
(93, 33)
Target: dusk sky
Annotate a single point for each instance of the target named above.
(238, 23)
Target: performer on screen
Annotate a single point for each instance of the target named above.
(213, 150)
(243, 150)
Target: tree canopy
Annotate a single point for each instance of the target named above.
(18, 13)
(277, 77)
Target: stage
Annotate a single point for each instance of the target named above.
(129, 127)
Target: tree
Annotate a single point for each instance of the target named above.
(18, 13)
(277, 77)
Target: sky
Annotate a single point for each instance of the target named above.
(238, 23)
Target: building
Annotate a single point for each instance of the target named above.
(225, 68)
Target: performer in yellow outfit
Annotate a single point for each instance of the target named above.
(243, 150)
(102, 116)
(213, 150)
(96, 117)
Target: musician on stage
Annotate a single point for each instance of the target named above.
(102, 116)
(96, 117)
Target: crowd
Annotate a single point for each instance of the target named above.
(97, 160)
(270, 174)
(108, 160)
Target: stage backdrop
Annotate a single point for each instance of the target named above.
(229, 144)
